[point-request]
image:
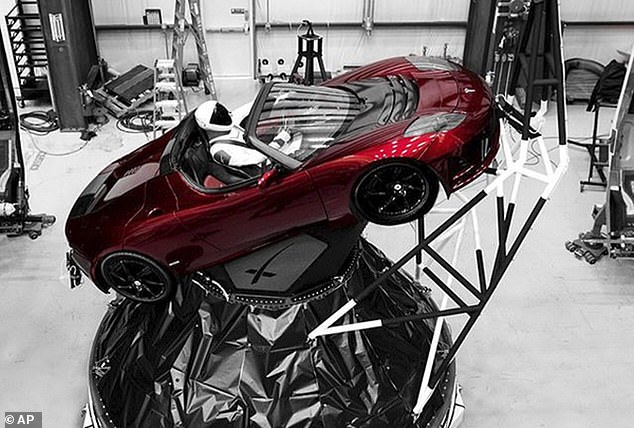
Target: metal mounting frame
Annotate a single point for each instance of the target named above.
(485, 285)
(547, 44)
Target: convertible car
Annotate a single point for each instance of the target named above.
(293, 182)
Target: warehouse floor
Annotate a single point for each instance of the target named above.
(551, 349)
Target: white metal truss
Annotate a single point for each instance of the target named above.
(513, 171)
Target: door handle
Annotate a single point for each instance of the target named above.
(155, 212)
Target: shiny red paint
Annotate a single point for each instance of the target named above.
(187, 229)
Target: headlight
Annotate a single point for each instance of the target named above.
(436, 122)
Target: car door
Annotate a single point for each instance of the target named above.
(238, 220)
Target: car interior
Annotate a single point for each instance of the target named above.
(221, 162)
(295, 121)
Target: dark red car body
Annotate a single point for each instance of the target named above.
(159, 213)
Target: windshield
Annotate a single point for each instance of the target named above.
(299, 120)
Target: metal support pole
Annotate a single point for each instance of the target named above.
(368, 16)
(253, 38)
(178, 37)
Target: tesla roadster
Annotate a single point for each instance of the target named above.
(296, 179)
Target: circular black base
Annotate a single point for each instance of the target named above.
(199, 361)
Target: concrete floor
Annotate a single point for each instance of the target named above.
(553, 348)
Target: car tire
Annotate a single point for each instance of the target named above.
(395, 192)
(136, 277)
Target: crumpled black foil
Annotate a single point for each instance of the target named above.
(201, 362)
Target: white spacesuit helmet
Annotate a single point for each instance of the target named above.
(213, 116)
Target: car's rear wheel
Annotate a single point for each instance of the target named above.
(136, 277)
(395, 192)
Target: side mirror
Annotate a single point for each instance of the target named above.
(268, 177)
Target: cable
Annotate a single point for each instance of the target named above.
(39, 122)
(47, 153)
(42, 123)
(136, 122)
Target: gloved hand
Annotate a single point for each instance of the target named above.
(282, 138)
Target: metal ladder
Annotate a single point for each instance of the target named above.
(181, 27)
(169, 102)
(29, 52)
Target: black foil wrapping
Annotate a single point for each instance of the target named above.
(198, 361)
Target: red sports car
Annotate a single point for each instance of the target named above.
(297, 181)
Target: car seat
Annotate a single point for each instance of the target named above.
(197, 161)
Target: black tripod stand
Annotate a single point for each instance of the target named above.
(306, 51)
(539, 64)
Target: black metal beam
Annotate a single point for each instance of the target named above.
(422, 246)
(477, 48)
(444, 287)
(391, 322)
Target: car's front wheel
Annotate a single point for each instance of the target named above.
(136, 277)
(395, 192)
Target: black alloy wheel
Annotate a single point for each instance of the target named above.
(395, 192)
(136, 277)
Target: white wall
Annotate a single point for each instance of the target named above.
(230, 52)
(125, 49)
(598, 43)
(351, 47)
(354, 46)
(129, 11)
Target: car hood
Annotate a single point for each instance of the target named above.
(121, 177)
